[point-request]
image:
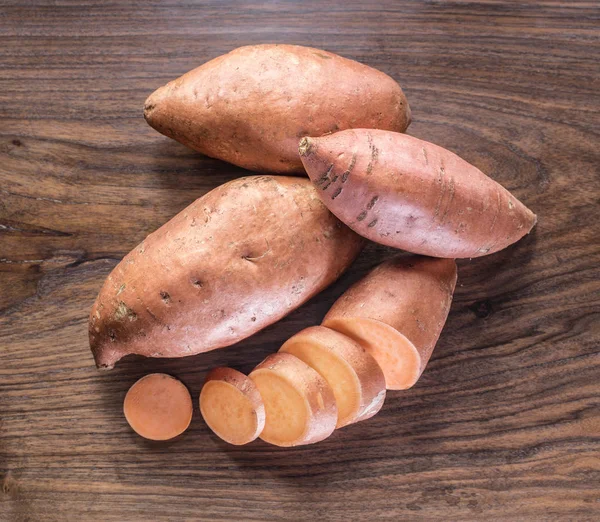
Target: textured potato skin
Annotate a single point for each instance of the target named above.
(235, 261)
(250, 107)
(412, 294)
(403, 192)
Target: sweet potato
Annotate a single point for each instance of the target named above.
(410, 194)
(352, 373)
(299, 404)
(232, 407)
(397, 313)
(233, 262)
(250, 107)
(158, 407)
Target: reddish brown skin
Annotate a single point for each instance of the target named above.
(367, 370)
(412, 294)
(233, 262)
(250, 107)
(245, 385)
(312, 387)
(410, 194)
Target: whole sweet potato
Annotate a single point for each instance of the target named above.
(250, 107)
(407, 193)
(233, 262)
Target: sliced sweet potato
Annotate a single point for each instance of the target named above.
(352, 373)
(300, 406)
(232, 407)
(397, 313)
(158, 407)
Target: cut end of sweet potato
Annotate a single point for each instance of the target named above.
(158, 407)
(304, 146)
(152, 102)
(396, 355)
(232, 406)
(300, 406)
(354, 376)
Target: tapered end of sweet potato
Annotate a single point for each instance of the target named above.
(154, 109)
(317, 165)
(304, 146)
(105, 359)
(104, 348)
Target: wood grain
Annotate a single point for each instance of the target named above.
(505, 422)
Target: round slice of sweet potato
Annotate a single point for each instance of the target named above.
(300, 406)
(353, 374)
(231, 406)
(158, 407)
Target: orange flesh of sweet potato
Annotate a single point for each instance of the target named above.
(300, 406)
(392, 350)
(235, 261)
(251, 106)
(354, 376)
(231, 406)
(158, 407)
(397, 313)
(406, 193)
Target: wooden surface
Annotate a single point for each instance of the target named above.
(504, 424)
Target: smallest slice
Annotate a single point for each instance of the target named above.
(158, 407)
(231, 406)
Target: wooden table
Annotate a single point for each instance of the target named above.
(504, 424)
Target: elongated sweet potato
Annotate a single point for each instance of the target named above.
(232, 407)
(233, 262)
(410, 194)
(300, 406)
(158, 407)
(354, 375)
(397, 313)
(250, 107)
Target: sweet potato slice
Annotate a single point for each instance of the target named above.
(232, 407)
(158, 407)
(397, 313)
(299, 404)
(354, 375)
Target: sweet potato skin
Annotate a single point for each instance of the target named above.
(250, 107)
(235, 261)
(406, 193)
(412, 294)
